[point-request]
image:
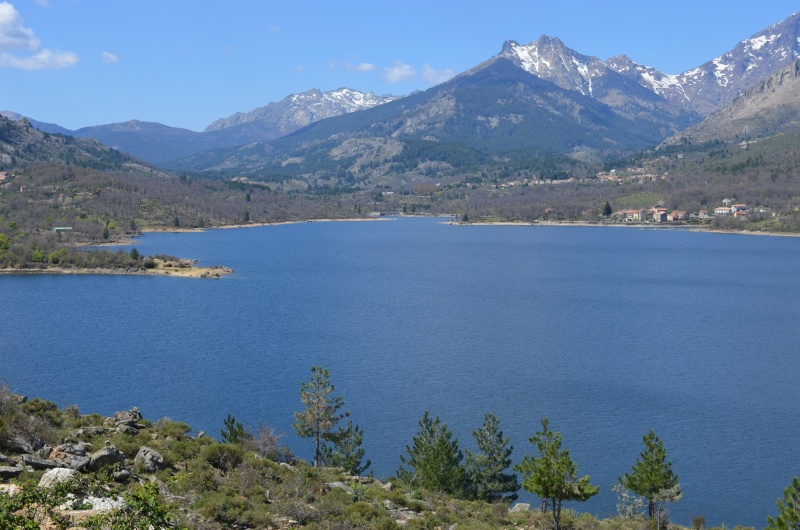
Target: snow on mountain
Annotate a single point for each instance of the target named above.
(298, 110)
(716, 83)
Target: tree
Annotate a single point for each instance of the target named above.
(321, 412)
(486, 470)
(553, 476)
(607, 209)
(434, 459)
(652, 477)
(345, 449)
(234, 432)
(788, 517)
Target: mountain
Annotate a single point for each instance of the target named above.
(157, 143)
(51, 128)
(492, 114)
(711, 86)
(296, 111)
(770, 107)
(21, 144)
(150, 141)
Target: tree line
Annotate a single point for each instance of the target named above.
(434, 461)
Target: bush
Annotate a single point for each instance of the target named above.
(224, 457)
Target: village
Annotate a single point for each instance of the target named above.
(658, 213)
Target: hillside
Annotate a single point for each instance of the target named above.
(770, 107)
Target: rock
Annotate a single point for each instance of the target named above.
(24, 444)
(121, 476)
(66, 451)
(39, 463)
(127, 429)
(387, 487)
(90, 431)
(129, 417)
(287, 466)
(339, 485)
(52, 477)
(8, 472)
(12, 490)
(107, 456)
(520, 507)
(44, 452)
(149, 460)
(3, 458)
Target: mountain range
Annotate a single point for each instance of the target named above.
(538, 99)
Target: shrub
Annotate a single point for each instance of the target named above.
(224, 457)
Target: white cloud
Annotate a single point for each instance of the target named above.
(351, 67)
(109, 57)
(436, 77)
(398, 73)
(44, 60)
(13, 35)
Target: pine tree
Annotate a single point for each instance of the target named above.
(652, 477)
(553, 476)
(486, 470)
(788, 517)
(344, 449)
(321, 412)
(434, 459)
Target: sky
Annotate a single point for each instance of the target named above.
(186, 63)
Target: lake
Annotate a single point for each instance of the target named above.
(608, 332)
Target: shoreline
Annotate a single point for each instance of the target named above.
(213, 272)
(687, 228)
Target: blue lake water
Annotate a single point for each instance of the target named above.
(607, 332)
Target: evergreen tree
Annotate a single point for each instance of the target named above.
(434, 459)
(321, 412)
(234, 432)
(486, 470)
(553, 476)
(345, 449)
(652, 477)
(788, 509)
(607, 209)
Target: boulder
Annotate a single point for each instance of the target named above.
(8, 472)
(339, 485)
(107, 456)
(128, 417)
(124, 428)
(39, 463)
(52, 477)
(149, 460)
(520, 507)
(24, 444)
(121, 476)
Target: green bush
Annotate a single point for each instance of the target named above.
(224, 457)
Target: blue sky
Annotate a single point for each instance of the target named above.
(187, 63)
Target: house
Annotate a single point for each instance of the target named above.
(703, 214)
(678, 215)
(722, 210)
(659, 215)
(727, 202)
(738, 208)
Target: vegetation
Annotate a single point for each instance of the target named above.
(652, 478)
(553, 475)
(434, 460)
(321, 411)
(486, 470)
(788, 517)
(205, 484)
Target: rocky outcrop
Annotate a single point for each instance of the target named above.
(70, 455)
(107, 456)
(56, 476)
(149, 460)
